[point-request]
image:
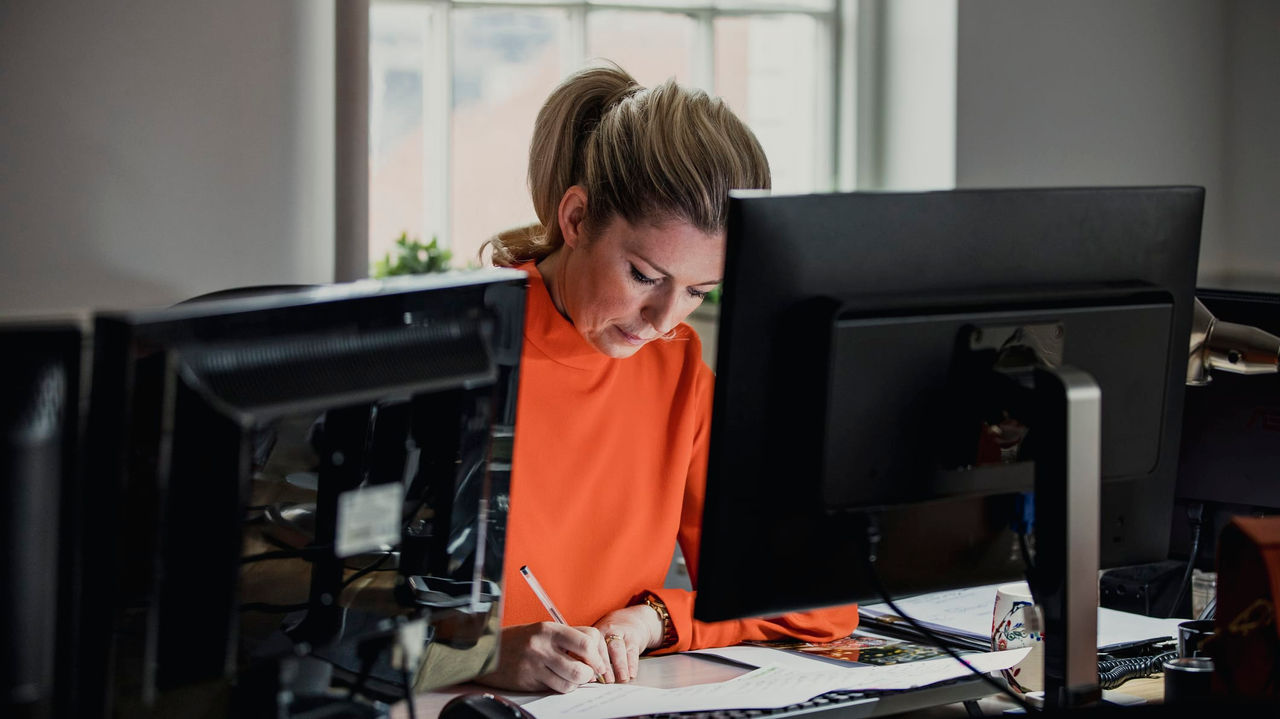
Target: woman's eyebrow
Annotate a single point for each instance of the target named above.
(668, 274)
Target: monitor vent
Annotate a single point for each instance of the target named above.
(300, 371)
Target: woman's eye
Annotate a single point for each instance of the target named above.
(642, 279)
(697, 294)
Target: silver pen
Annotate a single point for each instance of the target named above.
(549, 605)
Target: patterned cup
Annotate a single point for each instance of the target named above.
(1015, 622)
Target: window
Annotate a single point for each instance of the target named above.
(455, 86)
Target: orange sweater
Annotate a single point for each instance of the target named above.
(609, 470)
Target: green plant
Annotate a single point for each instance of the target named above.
(412, 258)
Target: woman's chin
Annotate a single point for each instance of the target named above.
(621, 351)
(616, 350)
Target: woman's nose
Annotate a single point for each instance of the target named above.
(662, 312)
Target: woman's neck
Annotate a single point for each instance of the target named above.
(552, 269)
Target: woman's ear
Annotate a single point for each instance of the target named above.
(572, 214)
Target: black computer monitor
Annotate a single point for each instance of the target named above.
(287, 486)
(873, 390)
(40, 390)
(1230, 436)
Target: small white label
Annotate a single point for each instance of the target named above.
(369, 519)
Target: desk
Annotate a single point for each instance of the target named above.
(1149, 690)
(931, 702)
(679, 670)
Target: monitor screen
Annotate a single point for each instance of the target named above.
(1230, 437)
(872, 372)
(1231, 428)
(295, 490)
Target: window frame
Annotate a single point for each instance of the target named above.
(839, 130)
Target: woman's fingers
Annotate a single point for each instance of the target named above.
(627, 634)
(622, 655)
(603, 652)
(548, 656)
(564, 673)
(586, 645)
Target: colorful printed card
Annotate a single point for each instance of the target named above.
(858, 649)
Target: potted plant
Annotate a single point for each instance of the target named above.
(411, 257)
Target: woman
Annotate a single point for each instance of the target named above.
(631, 189)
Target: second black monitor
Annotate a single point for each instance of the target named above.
(282, 484)
(871, 357)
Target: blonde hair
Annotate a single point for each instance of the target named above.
(646, 155)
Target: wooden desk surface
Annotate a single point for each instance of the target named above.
(683, 670)
(1135, 691)
(664, 672)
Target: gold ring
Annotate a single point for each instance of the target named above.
(610, 637)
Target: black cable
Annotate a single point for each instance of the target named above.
(1114, 672)
(310, 552)
(1195, 515)
(295, 554)
(273, 608)
(368, 651)
(281, 554)
(366, 569)
(1024, 546)
(276, 542)
(408, 692)
(873, 541)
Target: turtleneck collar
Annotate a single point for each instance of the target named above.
(549, 331)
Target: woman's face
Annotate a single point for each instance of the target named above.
(628, 285)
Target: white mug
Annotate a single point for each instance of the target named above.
(1015, 622)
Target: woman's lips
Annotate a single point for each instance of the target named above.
(630, 338)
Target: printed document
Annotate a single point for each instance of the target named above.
(767, 687)
(967, 613)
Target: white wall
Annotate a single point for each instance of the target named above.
(1098, 92)
(918, 131)
(1252, 201)
(153, 150)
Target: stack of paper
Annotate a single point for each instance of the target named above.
(964, 616)
(780, 681)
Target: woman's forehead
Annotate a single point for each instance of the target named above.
(671, 240)
(676, 249)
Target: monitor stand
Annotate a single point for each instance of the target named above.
(1066, 403)
(1064, 581)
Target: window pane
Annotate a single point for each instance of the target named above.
(399, 162)
(817, 6)
(652, 46)
(769, 70)
(505, 63)
(659, 4)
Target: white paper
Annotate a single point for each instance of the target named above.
(911, 675)
(368, 519)
(968, 611)
(907, 675)
(764, 688)
(685, 669)
(766, 657)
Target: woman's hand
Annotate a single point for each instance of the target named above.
(538, 657)
(627, 633)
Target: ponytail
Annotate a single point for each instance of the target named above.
(645, 155)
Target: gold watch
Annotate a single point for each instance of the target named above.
(652, 601)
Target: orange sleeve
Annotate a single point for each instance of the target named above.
(821, 625)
